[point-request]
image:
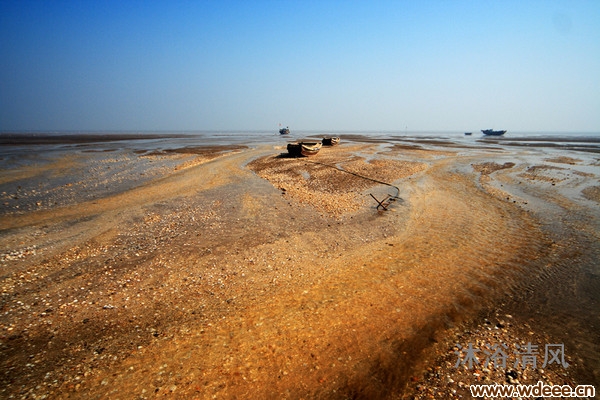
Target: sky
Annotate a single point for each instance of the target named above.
(310, 65)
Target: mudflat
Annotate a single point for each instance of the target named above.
(238, 272)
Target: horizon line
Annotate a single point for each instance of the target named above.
(180, 131)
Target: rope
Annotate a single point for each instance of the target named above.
(360, 176)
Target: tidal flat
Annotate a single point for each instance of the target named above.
(207, 270)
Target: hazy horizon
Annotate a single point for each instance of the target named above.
(385, 66)
(293, 132)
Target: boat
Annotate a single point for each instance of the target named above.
(330, 141)
(305, 149)
(492, 132)
(284, 131)
(468, 133)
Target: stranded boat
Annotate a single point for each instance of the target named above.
(492, 132)
(285, 131)
(332, 141)
(303, 148)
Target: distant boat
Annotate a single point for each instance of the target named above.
(492, 132)
(330, 141)
(285, 131)
(468, 133)
(305, 149)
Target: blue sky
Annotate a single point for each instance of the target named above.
(311, 65)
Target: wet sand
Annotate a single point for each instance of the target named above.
(241, 273)
(30, 139)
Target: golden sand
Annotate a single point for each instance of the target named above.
(254, 275)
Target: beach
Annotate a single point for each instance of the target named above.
(188, 268)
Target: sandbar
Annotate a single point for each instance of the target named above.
(238, 272)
